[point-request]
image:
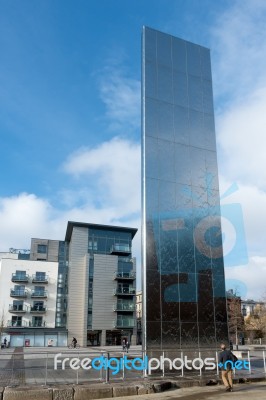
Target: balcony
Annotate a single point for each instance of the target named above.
(127, 307)
(21, 309)
(39, 293)
(37, 324)
(20, 278)
(40, 279)
(17, 324)
(120, 249)
(38, 309)
(125, 323)
(18, 293)
(125, 275)
(125, 291)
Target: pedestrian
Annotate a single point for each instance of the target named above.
(124, 344)
(74, 342)
(226, 361)
(127, 346)
(5, 342)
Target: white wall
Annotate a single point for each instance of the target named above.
(9, 266)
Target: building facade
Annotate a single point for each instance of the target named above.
(101, 284)
(28, 291)
(183, 272)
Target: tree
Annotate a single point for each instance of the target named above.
(255, 322)
(235, 317)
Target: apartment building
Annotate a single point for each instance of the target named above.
(28, 291)
(84, 286)
(101, 284)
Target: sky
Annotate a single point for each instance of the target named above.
(70, 119)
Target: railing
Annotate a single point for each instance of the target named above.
(20, 278)
(120, 249)
(37, 309)
(17, 308)
(40, 279)
(125, 323)
(37, 324)
(46, 366)
(17, 324)
(125, 291)
(125, 307)
(125, 275)
(18, 293)
(38, 293)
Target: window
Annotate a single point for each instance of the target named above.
(37, 321)
(40, 276)
(18, 305)
(93, 245)
(16, 321)
(42, 248)
(38, 306)
(20, 274)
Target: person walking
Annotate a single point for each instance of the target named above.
(127, 346)
(225, 361)
(74, 342)
(124, 344)
(5, 342)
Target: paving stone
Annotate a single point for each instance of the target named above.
(92, 392)
(63, 393)
(120, 391)
(28, 393)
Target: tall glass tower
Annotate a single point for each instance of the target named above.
(183, 270)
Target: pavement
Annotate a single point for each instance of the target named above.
(249, 391)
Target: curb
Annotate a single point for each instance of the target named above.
(101, 390)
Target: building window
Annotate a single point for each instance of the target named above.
(42, 248)
(37, 322)
(16, 321)
(38, 306)
(93, 245)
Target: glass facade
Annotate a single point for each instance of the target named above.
(62, 286)
(183, 282)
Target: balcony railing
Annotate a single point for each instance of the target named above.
(125, 275)
(17, 324)
(37, 324)
(125, 323)
(37, 309)
(17, 308)
(125, 291)
(125, 307)
(19, 278)
(120, 249)
(18, 293)
(39, 293)
(40, 279)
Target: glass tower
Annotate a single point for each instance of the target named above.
(183, 270)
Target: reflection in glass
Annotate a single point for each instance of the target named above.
(182, 247)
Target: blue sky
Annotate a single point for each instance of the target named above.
(70, 113)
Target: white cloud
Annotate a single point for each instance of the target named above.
(239, 46)
(121, 96)
(107, 191)
(113, 169)
(239, 69)
(249, 279)
(242, 139)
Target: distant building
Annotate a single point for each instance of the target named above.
(28, 291)
(84, 286)
(101, 284)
